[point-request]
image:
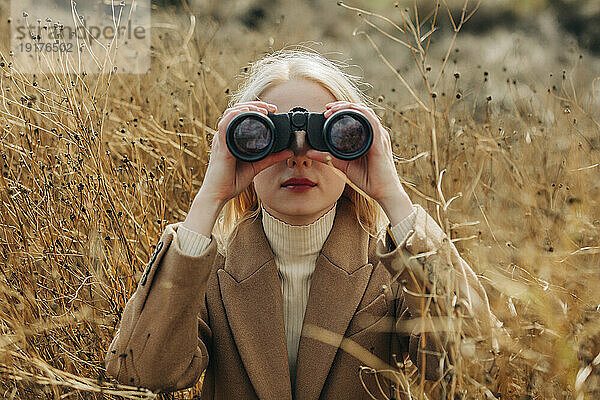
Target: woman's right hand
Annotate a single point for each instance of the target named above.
(226, 176)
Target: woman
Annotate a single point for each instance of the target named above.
(295, 288)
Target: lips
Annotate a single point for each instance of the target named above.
(298, 182)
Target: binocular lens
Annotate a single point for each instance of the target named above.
(252, 136)
(348, 135)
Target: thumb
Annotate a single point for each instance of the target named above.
(325, 157)
(271, 159)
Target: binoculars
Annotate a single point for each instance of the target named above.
(252, 136)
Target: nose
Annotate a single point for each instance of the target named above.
(299, 147)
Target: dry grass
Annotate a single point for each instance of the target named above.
(94, 166)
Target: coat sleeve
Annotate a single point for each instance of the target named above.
(427, 262)
(164, 336)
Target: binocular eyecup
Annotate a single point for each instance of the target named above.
(346, 134)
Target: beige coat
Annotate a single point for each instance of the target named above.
(224, 314)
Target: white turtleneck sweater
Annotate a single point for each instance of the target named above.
(296, 248)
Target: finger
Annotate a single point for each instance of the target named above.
(233, 110)
(271, 159)
(368, 111)
(334, 103)
(229, 114)
(225, 118)
(253, 107)
(325, 157)
(266, 105)
(338, 107)
(347, 105)
(243, 107)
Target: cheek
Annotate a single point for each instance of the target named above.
(332, 179)
(258, 184)
(265, 180)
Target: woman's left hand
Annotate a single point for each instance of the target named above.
(375, 172)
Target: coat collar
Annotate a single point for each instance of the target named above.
(251, 293)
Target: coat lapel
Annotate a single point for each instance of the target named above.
(341, 275)
(251, 292)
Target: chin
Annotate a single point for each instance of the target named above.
(297, 207)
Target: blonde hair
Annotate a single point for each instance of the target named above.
(274, 68)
